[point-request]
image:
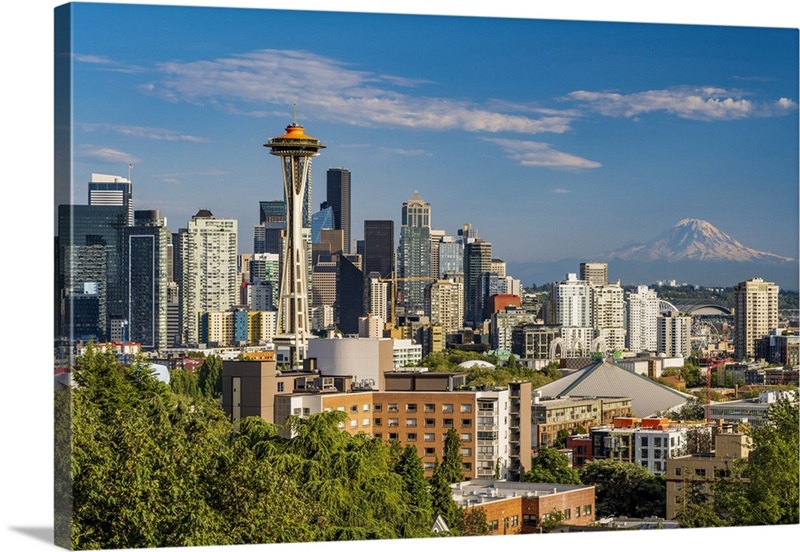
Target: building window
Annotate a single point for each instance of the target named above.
(466, 408)
(340, 409)
(411, 422)
(657, 441)
(587, 510)
(447, 422)
(514, 521)
(677, 471)
(377, 421)
(365, 422)
(393, 422)
(327, 409)
(678, 486)
(366, 408)
(430, 437)
(466, 466)
(466, 437)
(353, 423)
(645, 453)
(430, 407)
(493, 525)
(393, 436)
(296, 411)
(657, 466)
(379, 435)
(429, 451)
(280, 387)
(429, 465)
(466, 452)
(341, 425)
(447, 408)
(700, 471)
(568, 513)
(306, 411)
(354, 408)
(411, 436)
(392, 407)
(430, 422)
(377, 407)
(466, 422)
(644, 441)
(411, 408)
(577, 511)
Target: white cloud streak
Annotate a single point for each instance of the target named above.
(148, 133)
(539, 154)
(699, 103)
(104, 154)
(330, 89)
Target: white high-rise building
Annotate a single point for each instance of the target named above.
(208, 254)
(755, 315)
(109, 189)
(573, 311)
(642, 320)
(674, 334)
(446, 305)
(378, 296)
(608, 315)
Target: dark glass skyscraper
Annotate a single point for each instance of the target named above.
(339, 199)
(477, 262)
(145, 257)
(379, 247)
(90, 263)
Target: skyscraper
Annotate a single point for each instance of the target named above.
(145, 249)
(595, 274)
(108, 189)
(379, 247)
(573, 311)
(608, 315)
(414, 262)
(755, 315)
(295, 148)
(674, 334)
(642, 332)
(321, 220)
(208, 252)
(477, 263)
(339, 199)
(90, 268)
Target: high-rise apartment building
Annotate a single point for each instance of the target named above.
(377, 301)
(674, 334)
(446, 305)
(338, 199)
(145, 261)
(755, 315)
(209, 260)
(414, 260)
(572, 300)
(595, 274)
(436, 238)
(451, 257)
(642, 332)
(108, 189)
(608, 315)
(379, 247)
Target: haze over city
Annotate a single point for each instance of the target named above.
(555, 139)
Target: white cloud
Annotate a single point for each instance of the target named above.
(561, 191)
(104, 154)
(83, 58)
(407, 152)
(330, 89)
(700, 103)
(149, 133)
(540, 154)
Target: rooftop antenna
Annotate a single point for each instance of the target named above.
(294, 105)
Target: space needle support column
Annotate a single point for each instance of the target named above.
(295, 148)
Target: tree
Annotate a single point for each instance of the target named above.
(625, 489)
(550, 466)
(209, 377)
(763, 488)
(451, 460)
(443, 503)
(409, 466)
(475, 522)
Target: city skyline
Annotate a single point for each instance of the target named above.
(584, 142)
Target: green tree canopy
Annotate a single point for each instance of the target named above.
(625, 489)
(550, 466)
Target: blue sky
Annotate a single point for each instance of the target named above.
(553, 138)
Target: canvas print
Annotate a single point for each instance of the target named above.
(328, 276)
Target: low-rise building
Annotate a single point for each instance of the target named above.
(514, 508)
(698, 472)
(748, 411)
(553, 415)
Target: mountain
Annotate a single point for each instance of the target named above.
(694, 240)
(693, 251)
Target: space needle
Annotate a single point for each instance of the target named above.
(295, 148)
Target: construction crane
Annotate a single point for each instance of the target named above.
(394, 279)
(710, 366)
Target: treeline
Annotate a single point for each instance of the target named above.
(154, 468)
(449, 360)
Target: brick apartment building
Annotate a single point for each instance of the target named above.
(415, 408)
(515, 508)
